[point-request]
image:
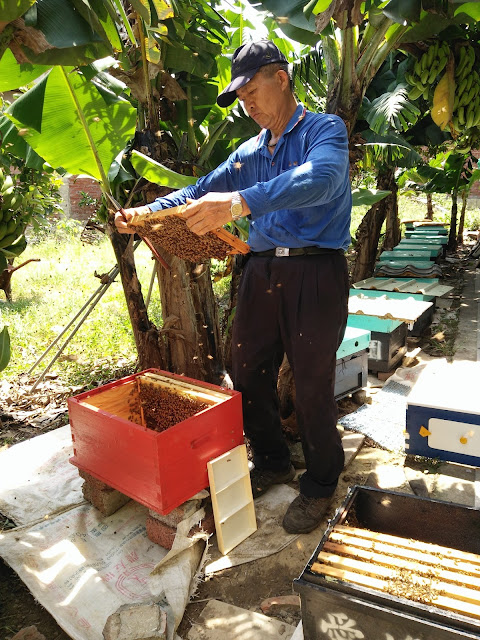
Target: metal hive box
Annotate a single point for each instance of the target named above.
(160, 469)
(351, 606)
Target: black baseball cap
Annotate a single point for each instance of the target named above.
(246, 61)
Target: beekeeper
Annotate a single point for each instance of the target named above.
(292, 182)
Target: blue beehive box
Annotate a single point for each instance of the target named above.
(443, 413)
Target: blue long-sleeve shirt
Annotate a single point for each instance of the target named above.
(298, 197)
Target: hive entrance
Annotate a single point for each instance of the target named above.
(167, 229)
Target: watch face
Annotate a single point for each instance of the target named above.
(236, 209)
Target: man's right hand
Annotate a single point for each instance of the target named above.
(125, 215)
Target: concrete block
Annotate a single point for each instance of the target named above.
(182, 512)
(140, 621)
(29, 633)
(107, 500)
(93, 482)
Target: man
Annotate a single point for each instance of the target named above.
(292, 181)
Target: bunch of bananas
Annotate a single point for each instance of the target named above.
(466, 107)
(426, 69)
(12, 221)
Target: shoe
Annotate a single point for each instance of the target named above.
(263, 479)
(305, 514)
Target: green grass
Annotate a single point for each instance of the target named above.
(48, 294)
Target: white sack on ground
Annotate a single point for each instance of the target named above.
(178, 573)
(82, 566)
(37, 479)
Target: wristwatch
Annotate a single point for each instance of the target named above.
(236, 207)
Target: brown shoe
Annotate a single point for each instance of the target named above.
(263, 479)
(305, 514)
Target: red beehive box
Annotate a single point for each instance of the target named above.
(158, 469)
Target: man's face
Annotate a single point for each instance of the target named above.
(261, 98)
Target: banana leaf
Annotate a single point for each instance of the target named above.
(62, 25)
(403, 11)
(69, 123)
(16, 145)
(367, 197)
(12, 9)
(83, 54)
(14, 75)
(471, 9)
(155, 172)
(99, 16)
(4, 348)
(293, 11)
(384, 112)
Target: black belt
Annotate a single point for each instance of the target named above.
(283, 252)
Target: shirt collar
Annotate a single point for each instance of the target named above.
(298, 115)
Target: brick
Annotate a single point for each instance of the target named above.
(207, 524)
(160, 533)
(139, 621)
(107, 501)
(29, 633)
(163, 534)
(178, 514)
(75, 186)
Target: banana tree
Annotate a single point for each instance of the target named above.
(389, 115)
(81, 126)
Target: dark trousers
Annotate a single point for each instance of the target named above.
(298, 306)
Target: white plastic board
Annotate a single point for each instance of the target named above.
(232, 499)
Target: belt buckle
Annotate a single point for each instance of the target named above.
(281, 252)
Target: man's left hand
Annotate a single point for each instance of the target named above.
(210, 212)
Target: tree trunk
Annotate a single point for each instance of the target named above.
(452, 236)
(429, 214)
(392, 234)
(190, 332)
(189, 341)
(145, 333)
(461, 224)
(368, 232)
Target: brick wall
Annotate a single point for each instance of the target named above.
(76, 185)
